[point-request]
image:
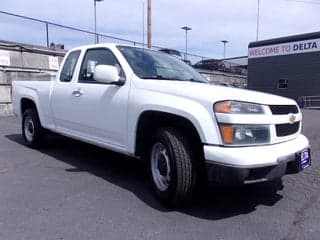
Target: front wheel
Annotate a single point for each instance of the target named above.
(32, 131)
(172, 168)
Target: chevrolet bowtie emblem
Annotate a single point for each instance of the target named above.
(292, 118)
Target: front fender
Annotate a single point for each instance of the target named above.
(199, 114)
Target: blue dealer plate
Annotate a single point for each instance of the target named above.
(305, 159)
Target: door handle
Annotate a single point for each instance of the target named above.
(77, 93)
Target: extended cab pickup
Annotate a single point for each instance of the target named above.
(150, 105)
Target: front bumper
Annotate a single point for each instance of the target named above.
(238, 165)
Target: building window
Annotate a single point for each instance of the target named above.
(283, 84)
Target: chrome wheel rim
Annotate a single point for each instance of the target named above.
(160, 166)
(29, 128)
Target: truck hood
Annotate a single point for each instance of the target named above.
(211, 93)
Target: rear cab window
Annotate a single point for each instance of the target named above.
(69, 66)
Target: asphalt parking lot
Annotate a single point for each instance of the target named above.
(72, 190)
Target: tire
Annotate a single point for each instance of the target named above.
(32, 132)
(171, 167)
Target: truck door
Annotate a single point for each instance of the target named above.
(61, 93)
(98, 111)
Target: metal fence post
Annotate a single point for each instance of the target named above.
(47, 32)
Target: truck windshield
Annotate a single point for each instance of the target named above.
(148, 64)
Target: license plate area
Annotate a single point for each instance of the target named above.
(305, 159)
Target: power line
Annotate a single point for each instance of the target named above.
(86, 31)
(306, 2)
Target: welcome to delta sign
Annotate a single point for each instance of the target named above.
(285, 49)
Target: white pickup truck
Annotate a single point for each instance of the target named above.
(150, 105)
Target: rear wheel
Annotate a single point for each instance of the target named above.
(172, 168)
(32, 131)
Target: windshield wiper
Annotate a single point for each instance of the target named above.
(160, 77)
(194, 80)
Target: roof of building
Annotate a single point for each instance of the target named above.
(293, 38)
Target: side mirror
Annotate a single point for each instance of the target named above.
(106, 74)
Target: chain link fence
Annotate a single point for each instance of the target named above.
(309, 101)
(44, 33)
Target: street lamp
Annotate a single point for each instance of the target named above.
(224, 48)
(258, 20)
(96, 40)
(186, 29)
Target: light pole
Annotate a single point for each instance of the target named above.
(96, 40)
(258, 20)
(186, 29)
(224, 48)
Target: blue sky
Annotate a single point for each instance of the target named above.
(210, 20)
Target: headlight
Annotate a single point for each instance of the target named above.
(235, 107)
(234, 134)
(239, 134)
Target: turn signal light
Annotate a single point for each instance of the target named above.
(227, 133)
(223, 107)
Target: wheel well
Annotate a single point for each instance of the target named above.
(151, 120)
(27, 104)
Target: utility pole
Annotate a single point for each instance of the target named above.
(143, 24)
(149, 24)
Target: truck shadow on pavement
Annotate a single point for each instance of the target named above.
(212, 203)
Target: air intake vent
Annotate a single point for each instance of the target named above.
(283, 109)
(287, 129)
